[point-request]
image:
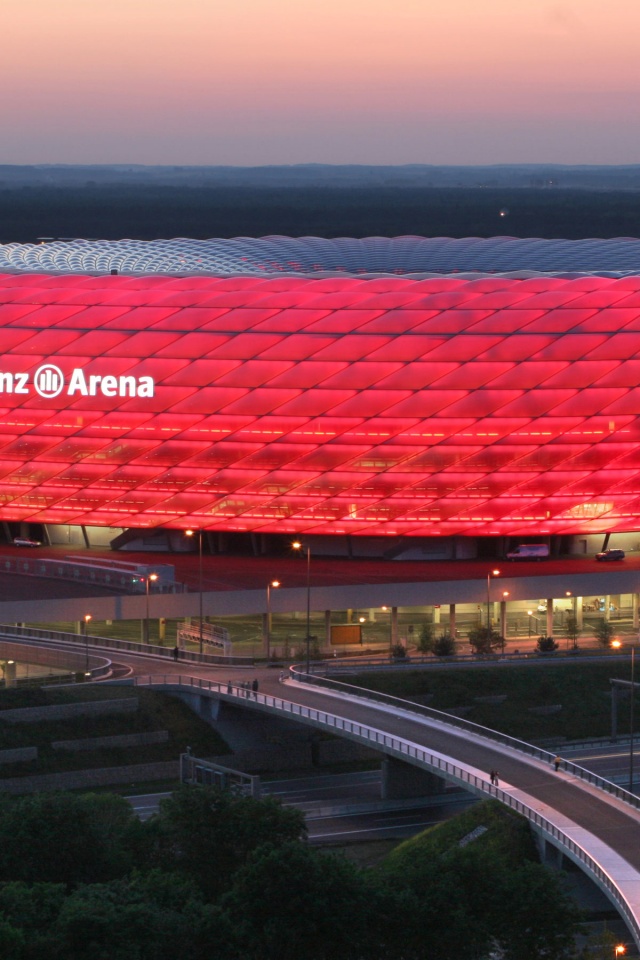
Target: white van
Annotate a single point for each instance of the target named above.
(529, 551)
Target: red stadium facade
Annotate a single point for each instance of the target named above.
(373, 407)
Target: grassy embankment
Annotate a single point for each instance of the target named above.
(576, 695)
(156, 711)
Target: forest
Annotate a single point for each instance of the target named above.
(148, 211)
(230, 877)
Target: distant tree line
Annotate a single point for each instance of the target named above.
(148, 212)
(213, 875)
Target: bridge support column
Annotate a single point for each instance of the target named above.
(503, 620)
(401, 781)
(549, 854)
(550, 616)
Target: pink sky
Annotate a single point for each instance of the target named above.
(334, 81)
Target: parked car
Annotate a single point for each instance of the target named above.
(25, 542)
(610, 555)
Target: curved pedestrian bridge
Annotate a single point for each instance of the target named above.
(593, 822)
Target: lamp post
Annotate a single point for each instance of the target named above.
(190, 533)
(85, 628)
(273, 584)
(492, 573)
(298, 546)
(150, 577)
(619, 950)
(529, 615)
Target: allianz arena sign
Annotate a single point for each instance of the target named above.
(49, 382)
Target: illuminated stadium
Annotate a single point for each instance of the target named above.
(411, 387)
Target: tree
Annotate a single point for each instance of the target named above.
(444, 646)
(485, 640)
(66, 838)
(293, 901)
(546, 645)
(572, 630)
(425, 641)
(209, 833)
(604, 632)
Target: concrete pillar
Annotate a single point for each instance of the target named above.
(436, 614)
(550, 616)
(394, 626)
(578, 612)
(401, 780)
(452, 619)
(503, 619)
(607, 605)
(636, 620)
(349, 616)
(10, 674)
(372, 614)
(327, 628)
(78, 627)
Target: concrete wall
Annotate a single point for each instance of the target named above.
(118, 740)
(67, 711)
(88, 779)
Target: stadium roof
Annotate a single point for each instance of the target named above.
(413, 257)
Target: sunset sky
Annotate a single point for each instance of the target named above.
(254, 82)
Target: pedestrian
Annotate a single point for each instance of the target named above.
(496, 781)
(556, 762)
(254, 687)
(229, 687)
(281, 677)
(492, 775)
(176, 653)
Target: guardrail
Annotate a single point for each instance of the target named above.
(110, 643)
(403, 749)
(359, 693)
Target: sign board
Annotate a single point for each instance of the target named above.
(343, 634)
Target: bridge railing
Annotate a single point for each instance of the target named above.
(446, 718)
(405, 749)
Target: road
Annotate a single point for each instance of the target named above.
(339, 808)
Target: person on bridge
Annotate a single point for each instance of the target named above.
(556, 762)
(176, 653)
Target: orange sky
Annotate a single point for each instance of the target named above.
(335, 81)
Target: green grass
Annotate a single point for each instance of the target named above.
(156, 711)
(581, 689)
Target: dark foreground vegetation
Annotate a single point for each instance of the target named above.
(149, 211)
(537, 702)
(220, 876)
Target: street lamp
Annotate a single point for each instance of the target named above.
(191, 533)
(150, 577)
(274, 584)
(85, 625)
(619, 950)
(492, 573)
(529, 615)
(298, 546)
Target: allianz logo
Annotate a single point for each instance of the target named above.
(49, 382)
